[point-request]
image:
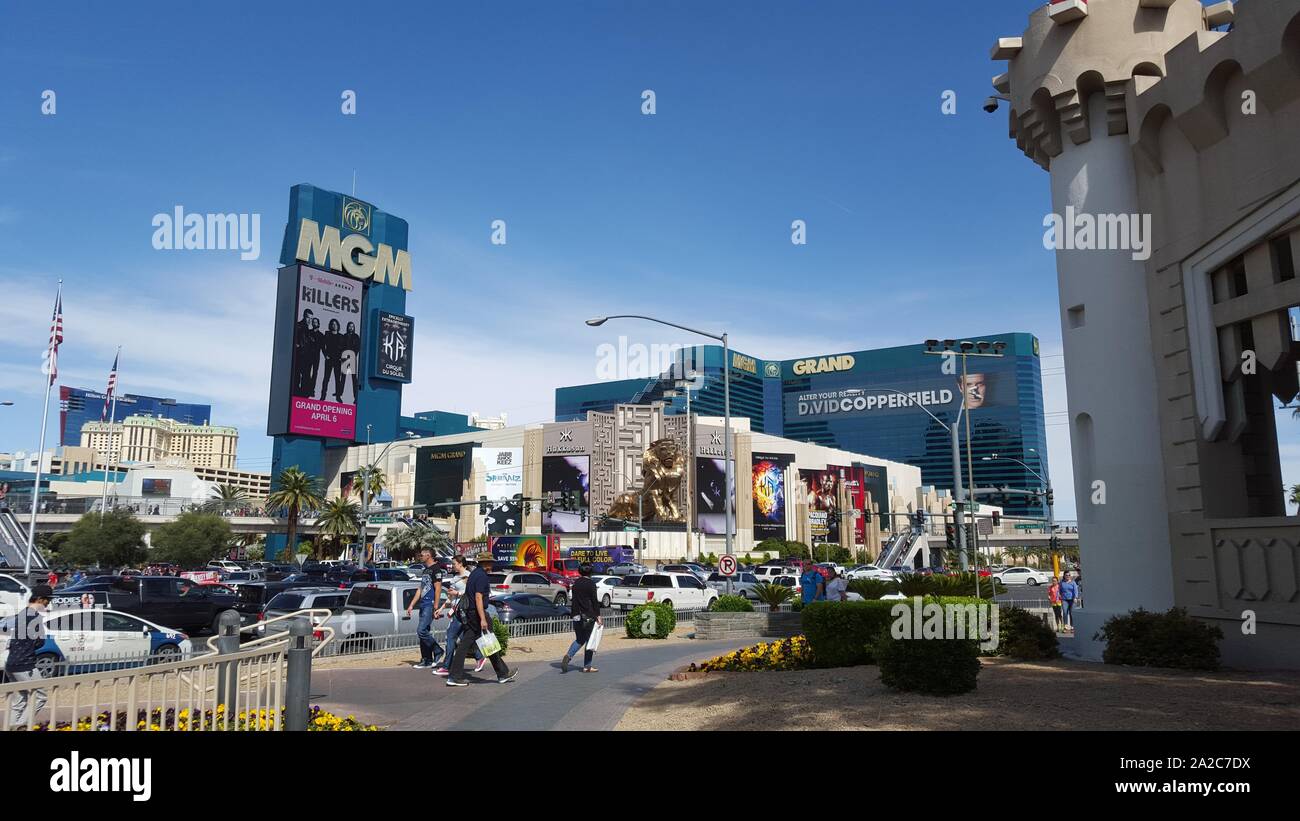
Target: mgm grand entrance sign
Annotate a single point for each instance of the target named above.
(342, 340)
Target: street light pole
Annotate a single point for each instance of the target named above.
(1049, 497)
(726, 407)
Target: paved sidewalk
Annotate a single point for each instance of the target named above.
(541, 698)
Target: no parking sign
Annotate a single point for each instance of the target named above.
(727, 565)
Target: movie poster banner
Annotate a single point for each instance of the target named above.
(562, 474)
(710, 503)
(877, 482)
(326, 355)
(440, 474)
(502, 470)
(822, 490)
(855, 498)
(768, 493)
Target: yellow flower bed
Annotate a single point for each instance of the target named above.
(786, 654)
(318, 720)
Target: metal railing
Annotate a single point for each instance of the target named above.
(243, 690)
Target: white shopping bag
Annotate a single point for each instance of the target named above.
(593, 641)
(488, 644)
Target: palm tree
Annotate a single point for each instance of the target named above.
(339, 519)
(295, 491)
(374, 480)
(407, 542)
(1295, 494)
(224, 497)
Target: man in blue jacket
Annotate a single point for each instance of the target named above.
(26, 634)
(1069, 592)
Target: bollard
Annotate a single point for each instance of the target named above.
(228, 624)
(297, 689)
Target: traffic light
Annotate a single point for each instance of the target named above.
(950, 536)
(997, 518)
(1049, 497)
(866, 514)
(482, 506)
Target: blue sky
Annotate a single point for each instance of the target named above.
(919, 224)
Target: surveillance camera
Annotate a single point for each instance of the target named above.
(991, 104)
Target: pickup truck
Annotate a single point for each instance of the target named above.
(680, 591)
(178, 603)
(377, 610)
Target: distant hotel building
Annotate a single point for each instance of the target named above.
(851, 401)
(77, 406)
(145, 439)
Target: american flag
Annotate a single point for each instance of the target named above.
(112, 386)
(56, 337)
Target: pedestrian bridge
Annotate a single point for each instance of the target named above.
(239, 525)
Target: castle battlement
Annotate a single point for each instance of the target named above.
(1056, 66)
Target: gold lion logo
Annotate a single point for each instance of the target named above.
(356, 216)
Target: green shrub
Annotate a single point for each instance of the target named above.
(873, 588)
(1023, 635)
(914, 584)
(962, 584)
(1169, 639)
(503, 635)
(937, 667)
(659, 618)
(841, 633)
(733, 604)
(773, 595)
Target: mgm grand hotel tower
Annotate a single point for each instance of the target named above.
(1178, 345)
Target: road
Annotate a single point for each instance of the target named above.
(541, 698)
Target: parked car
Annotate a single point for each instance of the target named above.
(869, 571)
(74, 639)
(681, 591)
(524, 606)
(604, 584)
(302, 598)
(251, 599)
(1023, 575)
(742, 584)
(687, 567)
(626, 569)
(238, 577)
(170, 600)
(770, 572)
(228, 567)
(378, 610)
(564, 581)
(13, 595)
(529, 582)
(346, 577)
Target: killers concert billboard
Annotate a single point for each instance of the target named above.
(768, 493)
(326, 355)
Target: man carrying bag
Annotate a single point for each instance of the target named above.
(585, 608)
(472, 613)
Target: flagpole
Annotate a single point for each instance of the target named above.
(40, 458)
(112, 414)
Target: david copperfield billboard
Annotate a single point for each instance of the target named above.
(326, 355)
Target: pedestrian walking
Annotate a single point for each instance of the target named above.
(26, 633)
(1078, 590)
(812, 585)
(586, 615)
(428, 600)
(1069, 592)
(473, 615)
(455, 589)
(1054, 597)
(836, 588)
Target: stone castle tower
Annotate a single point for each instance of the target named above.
(1185, 119)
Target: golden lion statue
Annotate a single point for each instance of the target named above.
(662, 469)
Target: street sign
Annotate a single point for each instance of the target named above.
(727, 565)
